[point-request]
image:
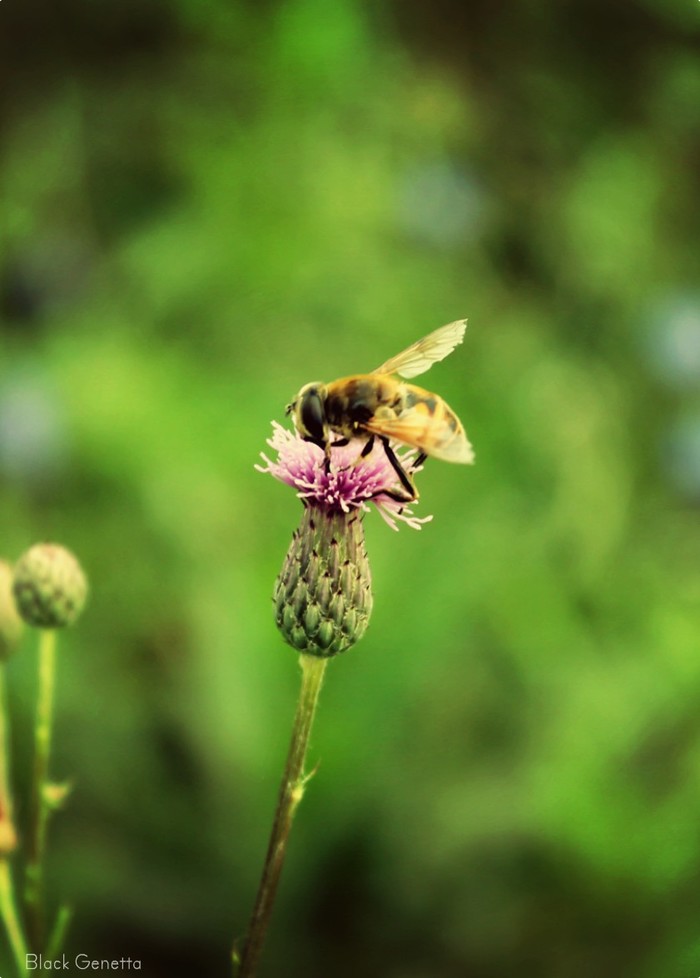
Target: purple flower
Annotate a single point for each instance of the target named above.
(350, 482)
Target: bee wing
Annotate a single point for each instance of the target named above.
(441, 437)
(423, 354)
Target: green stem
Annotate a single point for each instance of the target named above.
(290, 794)
(57, 937)
(8, 906)
(11, 918)
(5, 796)
(39, 808)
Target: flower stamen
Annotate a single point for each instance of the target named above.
(350, 477)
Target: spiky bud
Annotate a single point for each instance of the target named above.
(50, 587)
(323, 596)
(11, 625)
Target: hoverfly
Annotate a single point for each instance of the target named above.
(379, 406)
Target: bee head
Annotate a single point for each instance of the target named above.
(309, 412)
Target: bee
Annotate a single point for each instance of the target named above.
(379, 406)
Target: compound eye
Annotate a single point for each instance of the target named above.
(312, 415)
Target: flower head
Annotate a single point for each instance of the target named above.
(50, 587)
(350, 482)
(323, 595)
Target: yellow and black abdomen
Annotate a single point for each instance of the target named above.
(380, 405)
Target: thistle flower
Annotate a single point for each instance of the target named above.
(323, 595)
(349, 483)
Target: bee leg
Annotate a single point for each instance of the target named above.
(340, 443)
(324, 446)
(366, 449)
(368, 446)
(326, 451)
(396, 496)
(418, 461)
(404, 477)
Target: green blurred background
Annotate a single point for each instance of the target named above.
(206, 204)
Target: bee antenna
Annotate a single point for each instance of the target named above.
(289, 408)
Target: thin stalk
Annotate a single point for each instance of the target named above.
(8, 909)
(39, 807)
(8, 906)
(290, 794)
(57, 937)
(5, 796)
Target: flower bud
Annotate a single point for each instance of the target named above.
(323, 596)
(55, 794)
(49, 585)
(11, 625)
(8, 838)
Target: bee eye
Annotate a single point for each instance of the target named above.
(312, 415)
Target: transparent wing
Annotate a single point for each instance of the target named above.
(443, 438)
(423, 354)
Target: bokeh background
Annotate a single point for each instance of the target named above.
(207, 203)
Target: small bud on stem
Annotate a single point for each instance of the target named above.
(49, 586)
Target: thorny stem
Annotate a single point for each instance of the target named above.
(291, 792)
(8, 907)
(39, 808)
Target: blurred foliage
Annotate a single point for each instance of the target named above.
(206, 204)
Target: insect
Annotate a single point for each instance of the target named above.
(380, 406)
